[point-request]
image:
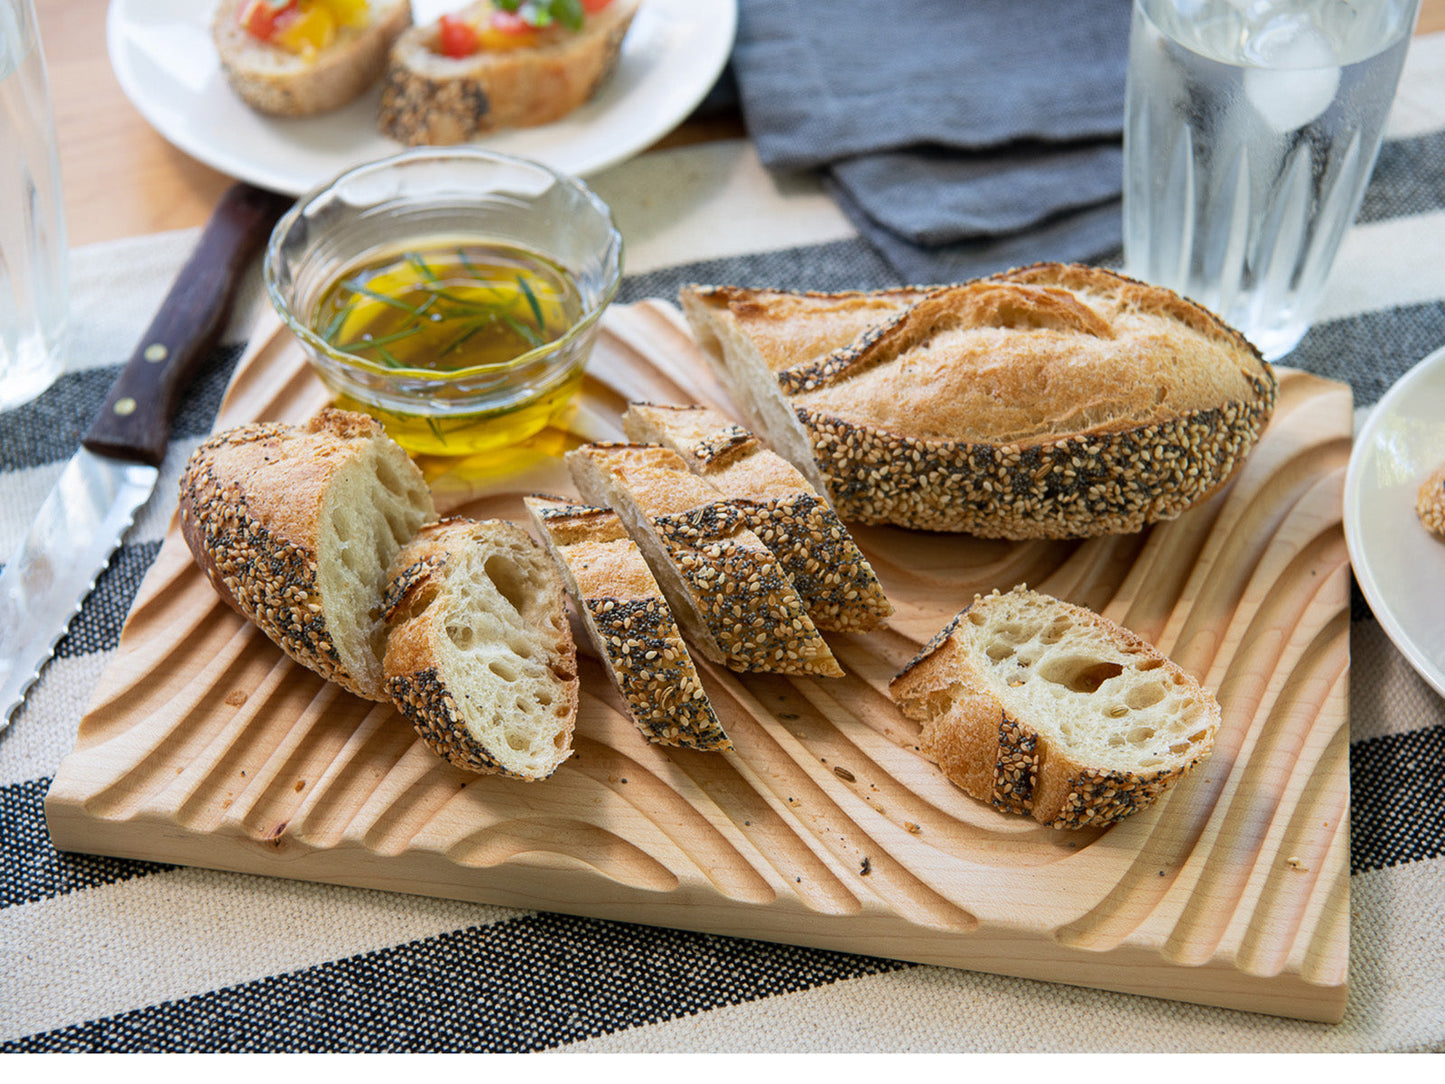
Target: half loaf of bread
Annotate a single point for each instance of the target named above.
(727, 590)
(431, 98)
(629, 622)
(479, 656)
(1042, 707)
(1052, 401)
(295, 526)
(281, 83)
(835, 581)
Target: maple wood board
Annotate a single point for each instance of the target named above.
(205, 746)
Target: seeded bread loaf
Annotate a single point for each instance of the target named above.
(1041, 707)
(726, 589)
(281, 83)
(1052, 401)
(629, 622)
(479, 655)
(295, 526)
(833, 578)
(431, 98)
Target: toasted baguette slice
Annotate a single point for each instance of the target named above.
(480, 657)
(431, 98)
(1038, 706)
(629, 622)
(281, 83)
(833, 578)
(1051, 401)
(294, 527)
(727, 590)
(1430, 502)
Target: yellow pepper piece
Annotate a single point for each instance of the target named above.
(313, 29)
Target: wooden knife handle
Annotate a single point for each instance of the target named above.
(135, 422)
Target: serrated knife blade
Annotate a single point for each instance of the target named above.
(86, 515)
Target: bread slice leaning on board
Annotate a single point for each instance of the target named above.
(1051, 401)
(834, 579)
(727, 591)
(479, 652)
(629, 622)
(1041, 707)
(282, 83)
(295, 526)
(431, 98)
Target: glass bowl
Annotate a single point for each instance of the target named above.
(424, 200)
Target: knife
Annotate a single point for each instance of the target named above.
(86, 515)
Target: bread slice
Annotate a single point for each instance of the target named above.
(1042, 707)
(431, 98)
(727, 590)
(295, 526)
(629, 622)
(480, 657)
(835, 581)
(1430, 502)
(281, 83)
(1052, 401)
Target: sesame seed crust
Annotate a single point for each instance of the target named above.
(1430, 502)
(654, 673)
(629, 622)
(426, 702)
(1078, 486)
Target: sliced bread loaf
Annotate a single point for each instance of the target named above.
(629, 622)
(727, 590)
(429, 97)
(479, 656)
(833, 578)
(295, 526)
(1053, 401)
(1042, 707)
(300, 83)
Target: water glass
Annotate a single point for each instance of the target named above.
(34, 285)
(1251, 128)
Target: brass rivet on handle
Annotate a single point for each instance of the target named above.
(156, 352)
(124, 406)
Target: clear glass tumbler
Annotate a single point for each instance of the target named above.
(34, 273)
(1251, 128)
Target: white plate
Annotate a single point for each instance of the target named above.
(1399, 565)
(162, 54)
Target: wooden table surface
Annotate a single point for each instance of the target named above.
(122, 179)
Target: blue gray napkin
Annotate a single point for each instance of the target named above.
(961, 137)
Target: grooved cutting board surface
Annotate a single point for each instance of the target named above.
(205, 746)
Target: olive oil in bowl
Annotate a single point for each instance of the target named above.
(457, 321)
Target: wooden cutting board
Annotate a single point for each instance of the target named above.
(205, 746)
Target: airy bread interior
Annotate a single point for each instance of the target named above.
(1101, 699)
(497, 637)
(374, 505)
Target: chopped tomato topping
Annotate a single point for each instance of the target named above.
(509, 22)
(259, 17)
(459, 38)
(592, 7)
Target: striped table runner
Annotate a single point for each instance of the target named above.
(100, 954)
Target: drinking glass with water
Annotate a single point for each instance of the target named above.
(1251, 128)
(33, 268)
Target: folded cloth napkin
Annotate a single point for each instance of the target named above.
(959, 137)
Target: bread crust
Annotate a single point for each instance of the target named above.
(1052, 401)
(254, 501)
(283, 84)
(629, 622)
(832, 576)
(427, 608)
(726, 588)
(430, 98)
(1002, 751)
